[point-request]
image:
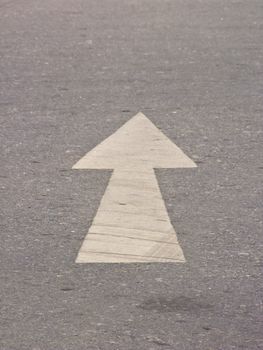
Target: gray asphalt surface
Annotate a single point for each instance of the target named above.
(72, 72)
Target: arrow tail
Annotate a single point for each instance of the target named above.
(131, 224)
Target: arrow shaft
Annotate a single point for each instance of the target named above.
(132, 223)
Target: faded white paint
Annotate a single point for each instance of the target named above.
(138, 144)
(132, 224)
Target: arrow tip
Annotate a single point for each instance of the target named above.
(137, 144)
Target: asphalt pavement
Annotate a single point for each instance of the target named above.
(74, 71)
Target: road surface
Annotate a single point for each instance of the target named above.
(72, 73)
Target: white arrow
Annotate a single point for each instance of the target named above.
(132, 224)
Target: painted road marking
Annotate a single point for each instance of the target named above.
(132, 223)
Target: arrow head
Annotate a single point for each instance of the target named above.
(137, 144)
